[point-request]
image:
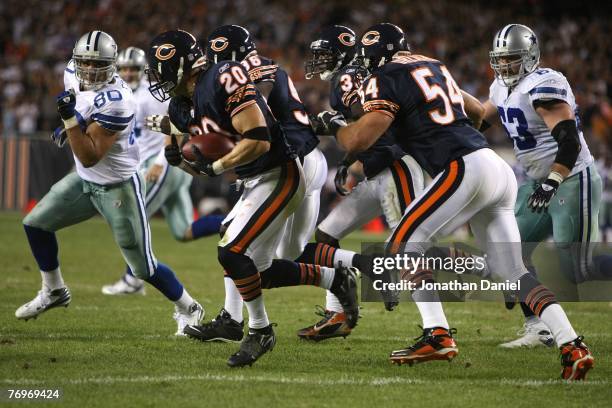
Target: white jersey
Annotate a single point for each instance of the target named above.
(149, 142)
(113, 108)
(534, 146)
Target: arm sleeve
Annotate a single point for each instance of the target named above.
(114, 116)
(378, 95)
(264, 72)
(552, 87)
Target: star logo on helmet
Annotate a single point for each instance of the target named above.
(219, 44)
(347, 39)
(165, 52)
(533, 39)
(371, 37)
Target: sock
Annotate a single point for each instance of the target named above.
(258, 318)
(166, 282)
(527, 311)
(555, 318)
(288, 273)
(326, 255)
(233, 300)
(184, 301)
(44, 247)
(52, 279)
(130, 278)
(207, 225)
(427, 301)
(332, 303)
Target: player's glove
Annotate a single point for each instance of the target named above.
(66, 102)
(327, 122)
(541, 197)
(202, 164)
(340, 179)
(162, 124)
(59, 136)
(173, 153)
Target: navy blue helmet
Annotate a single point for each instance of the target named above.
(172, 58)
(332, 49)
(379, 43)
(229, 42)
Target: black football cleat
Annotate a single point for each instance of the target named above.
(257, 343)
(345, 289)
(223, 328)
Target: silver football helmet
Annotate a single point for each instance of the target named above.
(94, 55)
(515, 53)
(131, 64)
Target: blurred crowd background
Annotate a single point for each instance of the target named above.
(36, 40)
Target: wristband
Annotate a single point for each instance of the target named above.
(70, 122)
(556, 177)
(217, 167)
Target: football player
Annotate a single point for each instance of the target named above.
(97, 110)
(225, 100)
(234, 43)
(418, 97)
(393, 178)
(537, 109)
(167, 188)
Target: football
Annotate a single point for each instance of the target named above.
(212, 145)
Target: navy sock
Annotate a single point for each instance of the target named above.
(128, 271)
(44, 247)
(166, 282)
(207, 225)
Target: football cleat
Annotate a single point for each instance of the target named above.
(256, 344)
(192, 316)
(44, 300)
(533, 334)
(222, 328)
(346, 292)
(436, 343)
(576, 360)
(123, 287)
(333, 324)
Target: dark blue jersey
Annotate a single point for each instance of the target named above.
(384, 151)
(223, 91)
(429, 120)
(284, 102)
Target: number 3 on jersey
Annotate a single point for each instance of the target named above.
(525, 140)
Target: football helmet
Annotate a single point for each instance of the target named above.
(229, 42)
(378, 45)
(333, 49)
(515, 53)
(131, 64)
(173, 56)
(94, 55)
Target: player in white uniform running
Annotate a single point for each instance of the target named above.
(562, 193)
(97, 109)
(167, 188)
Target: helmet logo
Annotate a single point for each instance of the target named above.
(370, 38)
(219, 44)
(347, 39)
(165, 52)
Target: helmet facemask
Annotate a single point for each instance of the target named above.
(93, 74)
(323, 62)
(160, 89)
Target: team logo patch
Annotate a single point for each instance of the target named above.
(165, 52)
(219, 44)
(370, 38)
(347, 39)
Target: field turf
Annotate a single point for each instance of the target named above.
(120, 351)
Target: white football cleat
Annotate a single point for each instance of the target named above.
(122, 287)
(533, 334)
(44, 300)
(192, 316)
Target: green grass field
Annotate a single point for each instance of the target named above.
(120, 351)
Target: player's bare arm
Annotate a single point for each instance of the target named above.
(473, 108)
(362, 134)
(490, 116)
(90, 147)
(560, 119)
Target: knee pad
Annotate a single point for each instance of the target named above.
(324, 238)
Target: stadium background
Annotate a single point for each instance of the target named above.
(35, 44)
